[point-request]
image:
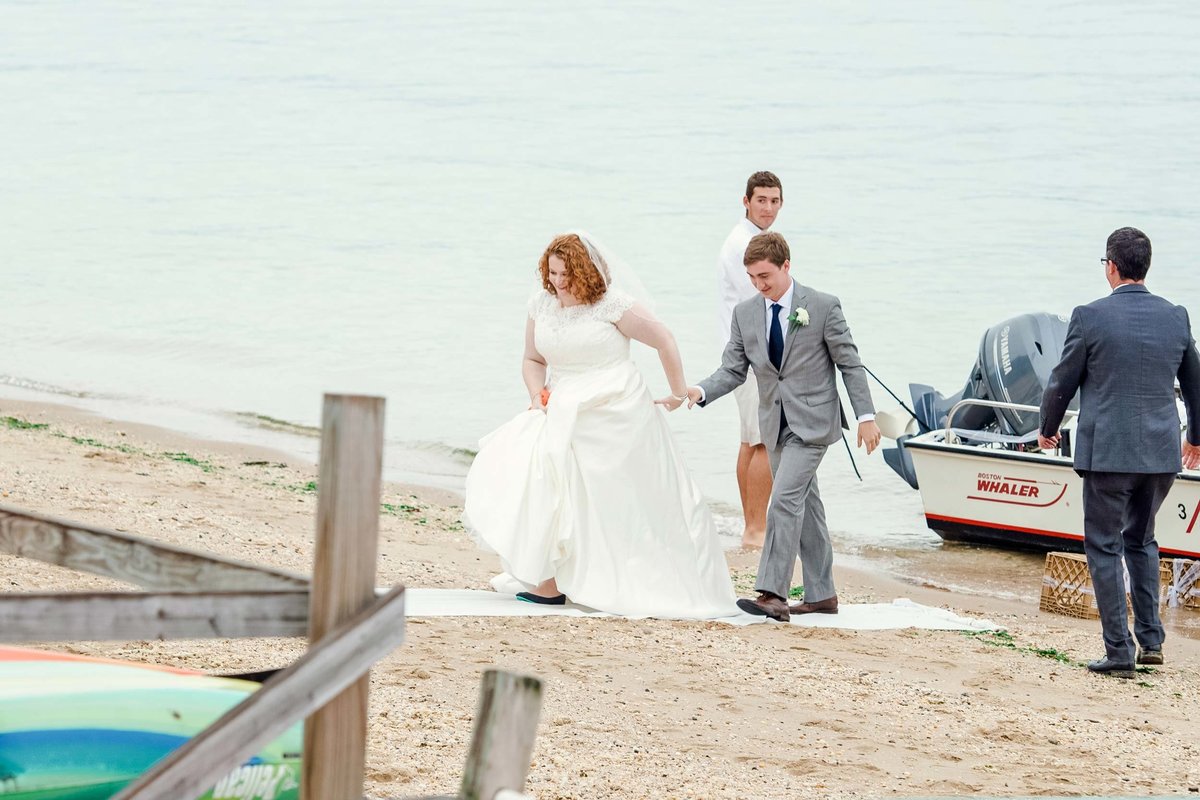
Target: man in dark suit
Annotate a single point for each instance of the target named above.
(1123, 353)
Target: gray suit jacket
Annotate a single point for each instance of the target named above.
(1123, 353)
(805, 385)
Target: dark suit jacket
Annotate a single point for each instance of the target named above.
(1123, 353)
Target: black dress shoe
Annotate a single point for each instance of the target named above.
(530, 597)
(1150, 655)
(1111, 668)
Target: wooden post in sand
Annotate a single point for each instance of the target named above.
(505, 728)
(343, 584)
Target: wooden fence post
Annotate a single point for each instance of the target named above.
(505, 729)
(343, 583)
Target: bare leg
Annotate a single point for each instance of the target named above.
(760, 494)
(745, 455)
(754, 486)
(547, 588)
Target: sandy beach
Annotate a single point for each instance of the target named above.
(633, 709)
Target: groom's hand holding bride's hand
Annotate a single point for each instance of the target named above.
(672, 402)
(694, 395)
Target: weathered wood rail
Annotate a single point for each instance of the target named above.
(191, 594)
(130, 558)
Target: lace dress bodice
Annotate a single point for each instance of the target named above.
(583, 337)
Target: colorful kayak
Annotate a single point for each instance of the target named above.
(78, 728)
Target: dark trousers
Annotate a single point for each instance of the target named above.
(1118, 520)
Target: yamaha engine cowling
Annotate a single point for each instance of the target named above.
(1015, 360)
(1014, 364)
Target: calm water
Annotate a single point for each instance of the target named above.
(210, 208)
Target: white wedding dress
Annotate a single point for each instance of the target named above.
(593, 492)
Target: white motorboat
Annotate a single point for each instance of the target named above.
(993, 493)
(975, 460)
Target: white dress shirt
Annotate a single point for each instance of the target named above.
(733, 284)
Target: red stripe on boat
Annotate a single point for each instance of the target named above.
(1039, 531)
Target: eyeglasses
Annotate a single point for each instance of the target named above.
(1106, 260)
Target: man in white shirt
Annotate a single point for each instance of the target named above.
(763, 199)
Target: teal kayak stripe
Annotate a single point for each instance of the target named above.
(39, 759)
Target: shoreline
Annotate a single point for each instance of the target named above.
(764, 711)
(431, 464)
(298, 445)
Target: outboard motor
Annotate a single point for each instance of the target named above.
(1015, 360)
(1014, 364)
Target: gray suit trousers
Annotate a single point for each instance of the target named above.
(796, 523)
(1118, 519)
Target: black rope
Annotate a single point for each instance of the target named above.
(851, 454)
(903, 405)
(893, 394)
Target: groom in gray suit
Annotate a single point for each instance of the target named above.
(1123, 353)
(792, 336)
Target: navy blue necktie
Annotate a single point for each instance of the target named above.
(775, 343)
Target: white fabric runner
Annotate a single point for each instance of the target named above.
(900, 613)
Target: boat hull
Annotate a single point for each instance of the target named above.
(79, 728)
(1029, 500)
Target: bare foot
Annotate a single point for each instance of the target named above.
(753, 540)
(547, 588)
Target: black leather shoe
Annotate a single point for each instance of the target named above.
(530, 597)
(1111, 668)
(1150, 655)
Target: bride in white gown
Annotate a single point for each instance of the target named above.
(585, 496)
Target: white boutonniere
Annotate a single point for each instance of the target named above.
(798, 318)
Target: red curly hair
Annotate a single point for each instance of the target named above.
(583, 278)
